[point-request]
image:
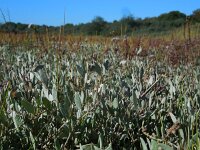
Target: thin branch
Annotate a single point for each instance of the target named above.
(147, 91)
(159, 140)
(4, 17)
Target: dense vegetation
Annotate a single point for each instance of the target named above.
(127, 25)
(96, 92)
(99, 93)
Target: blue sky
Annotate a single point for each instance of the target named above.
(51, 12)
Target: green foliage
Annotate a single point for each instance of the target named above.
(196, 15)
(81, 102)
(173, 15)
(97, 25)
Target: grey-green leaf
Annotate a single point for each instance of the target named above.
(47, 103)
(109, 147)
(173, 117)
(57, 144)
(3, 118)
(115, 103)
(81, 70)
(27, 106)
(63, 109)
(87, 147)
(144, 146)
(154, 145)
(17, 120)
(97, 68)
(32, 140)
(164, 146)
(77, 100)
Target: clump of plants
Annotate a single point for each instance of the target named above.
(92, 99)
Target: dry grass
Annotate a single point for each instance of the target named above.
(179, 46)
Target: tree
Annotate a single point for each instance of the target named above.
(20, 27)
(113, 29)
(171, 20)
(69, 28)
(196, 15)
(129, 20)
(97, 25)
(9, 27)
(129, 23)
(173, 15)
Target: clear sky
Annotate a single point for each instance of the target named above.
(51, 12)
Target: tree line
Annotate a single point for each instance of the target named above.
(127, 25)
